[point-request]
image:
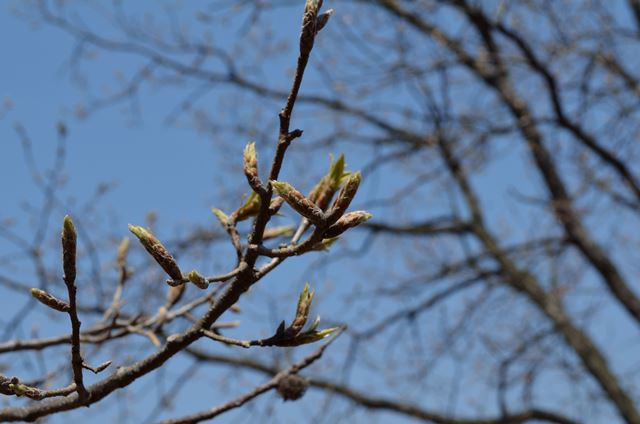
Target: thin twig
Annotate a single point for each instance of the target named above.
(69, 265)
(238, 402)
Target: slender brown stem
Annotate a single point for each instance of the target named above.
(263, 388)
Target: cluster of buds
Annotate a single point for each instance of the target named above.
(332, 221)
(293, 334)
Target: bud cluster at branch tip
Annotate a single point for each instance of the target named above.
(293, 335)
(309, 21)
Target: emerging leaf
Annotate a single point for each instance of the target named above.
(274, 232)
(222, 217)
(306, 337)
(325, 244)
(324, 191)
(250, 208)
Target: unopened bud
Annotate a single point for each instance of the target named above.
(157, 251)
(197, 279)
(298, 202)
(302, 310)
(345, 197)
(348, 220)
(30, 392)
(69, 240)
(322, 20)
(50, 300)
(251, 168)
(308, 32)
(250, 160)
(103, 366)
(312, 6)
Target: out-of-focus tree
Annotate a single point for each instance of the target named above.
(499, 140)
